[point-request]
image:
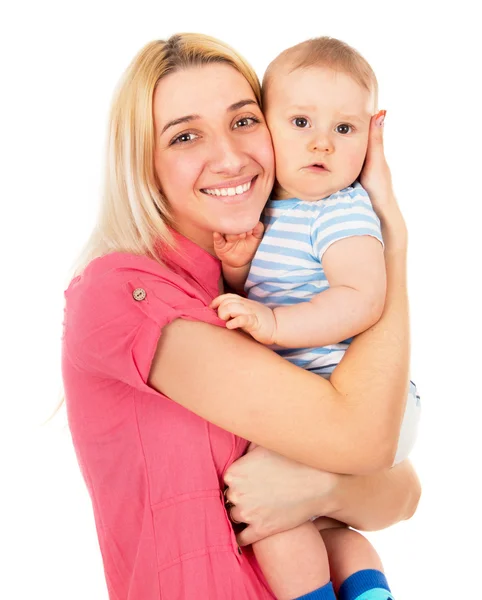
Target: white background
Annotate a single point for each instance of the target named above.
(59, 65)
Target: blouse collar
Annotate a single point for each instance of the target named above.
(194, 261)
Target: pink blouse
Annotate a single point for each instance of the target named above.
(154, 469)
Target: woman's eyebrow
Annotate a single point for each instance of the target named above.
(188, 118)
(240, 104)
(185, 119)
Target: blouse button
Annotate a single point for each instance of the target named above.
(139, 294)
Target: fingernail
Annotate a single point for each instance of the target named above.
(380, 118)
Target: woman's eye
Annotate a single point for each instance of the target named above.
(184, 138)
(245, 122)
(343, 128)
(300, 122)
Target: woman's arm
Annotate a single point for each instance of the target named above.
(271, 494)
(378, 500)
(350, 424)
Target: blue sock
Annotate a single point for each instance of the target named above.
(368, 584)
(323, 593)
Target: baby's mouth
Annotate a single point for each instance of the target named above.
(317, 167)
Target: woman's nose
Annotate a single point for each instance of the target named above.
(228, 156)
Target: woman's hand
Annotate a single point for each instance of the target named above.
(375, 176)
(272, 493)
(377, 180)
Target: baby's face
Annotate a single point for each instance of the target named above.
(319, 121)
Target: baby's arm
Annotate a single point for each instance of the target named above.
(355, 270)
(236, 251)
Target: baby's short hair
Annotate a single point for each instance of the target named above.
(324, 52)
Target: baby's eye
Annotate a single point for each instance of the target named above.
(184, 138)
(245, 122)
(344, 128)
(300, 122)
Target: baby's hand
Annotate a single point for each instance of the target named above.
(253, 317)
(237, 250)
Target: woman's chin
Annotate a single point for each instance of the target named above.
(238, 226)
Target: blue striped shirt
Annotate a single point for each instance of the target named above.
(287, 267)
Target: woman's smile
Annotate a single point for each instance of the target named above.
(232, 192)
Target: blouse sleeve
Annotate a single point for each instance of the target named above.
(115, 314)
(349, 213)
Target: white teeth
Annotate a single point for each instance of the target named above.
(231, 191)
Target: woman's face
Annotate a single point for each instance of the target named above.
(213, 152)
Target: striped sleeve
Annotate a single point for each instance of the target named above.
(345, 214)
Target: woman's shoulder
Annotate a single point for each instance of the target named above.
(113, 271)
(121, 264)
(121, 299)
(122, 288)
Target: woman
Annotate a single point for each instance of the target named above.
(161, 398)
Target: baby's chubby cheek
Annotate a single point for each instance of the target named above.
(354, 162)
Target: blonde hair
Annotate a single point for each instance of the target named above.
(134, 214)
(324, 52)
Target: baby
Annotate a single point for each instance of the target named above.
(315, 278)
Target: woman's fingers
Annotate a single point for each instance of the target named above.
(233, 511)
(376, 127)
(375, 151)
(235, 515)
(375, 176)
(249, 535)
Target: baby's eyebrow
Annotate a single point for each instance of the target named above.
(307, 108)
(359, 118)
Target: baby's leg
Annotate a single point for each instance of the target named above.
(295, 563)
(356, 569)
